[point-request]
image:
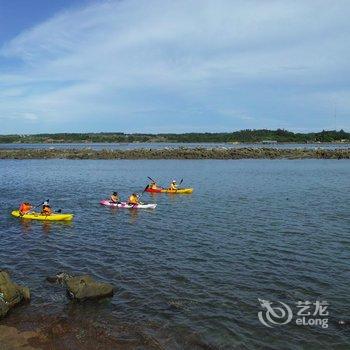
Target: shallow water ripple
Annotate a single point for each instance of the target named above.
(189, 273)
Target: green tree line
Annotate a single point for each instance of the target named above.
(244, 136)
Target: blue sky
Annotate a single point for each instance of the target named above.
(173, 66)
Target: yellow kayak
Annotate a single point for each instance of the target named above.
(39, 216)
(163, 190)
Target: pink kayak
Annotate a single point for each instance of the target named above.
(108, 203)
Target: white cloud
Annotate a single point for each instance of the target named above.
(30, 116)
(109, 60)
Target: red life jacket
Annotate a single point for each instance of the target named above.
(24, 208)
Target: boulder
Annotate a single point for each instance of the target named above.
(11, 294)
(84, 287)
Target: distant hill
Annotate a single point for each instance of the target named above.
(244, 136)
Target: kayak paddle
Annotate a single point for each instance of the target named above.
(151, 179)
(47, 200)
(179, 185)
(31, 210)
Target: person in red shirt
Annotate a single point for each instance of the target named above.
(25, 208)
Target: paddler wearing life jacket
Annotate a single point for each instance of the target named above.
(173, 185)
(46, 209)
(25, 208)
(153, 186)
(134, 199)
(115, 198)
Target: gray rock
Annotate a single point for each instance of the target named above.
(11, 294)
(84, 287)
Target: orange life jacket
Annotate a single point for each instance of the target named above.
(46, 211)
(133, 200)
(24, 208)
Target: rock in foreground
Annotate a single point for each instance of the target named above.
(12, 339)
(83, 287)
(11, 294)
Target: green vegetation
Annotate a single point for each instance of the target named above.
(244, 136)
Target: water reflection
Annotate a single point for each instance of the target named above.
(47, 227)
(113, 210)
(28, 226)
(134, 213)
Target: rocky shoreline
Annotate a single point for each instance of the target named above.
(38, 330)
(29, 330)
(180, 153)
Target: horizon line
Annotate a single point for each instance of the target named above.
(172, 133)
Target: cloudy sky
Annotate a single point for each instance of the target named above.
(173, 66)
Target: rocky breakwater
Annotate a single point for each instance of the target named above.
(177, 153)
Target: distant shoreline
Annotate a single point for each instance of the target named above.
(241, 136)
(181, 153)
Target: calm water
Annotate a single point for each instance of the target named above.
(129, 146)
(189, 273)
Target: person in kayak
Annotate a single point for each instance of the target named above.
(115, 198)
(153, 186)
(46, 209)
(134, 199)
(25, 208)
(173, 186)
